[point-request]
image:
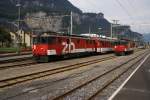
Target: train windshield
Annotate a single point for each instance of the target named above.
(40, 40)
(121, 43)
(36, 40)
(43, 40)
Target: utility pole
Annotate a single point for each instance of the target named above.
(111, 34)
(17, 37)
(71, 26)
(115, 22)
(89, 29)
(52, 5)
(71, 23)
(100, 31)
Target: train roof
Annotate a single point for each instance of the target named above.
(98, 36)
(44, 34)
(87, 36)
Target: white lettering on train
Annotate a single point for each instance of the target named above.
(68, 47)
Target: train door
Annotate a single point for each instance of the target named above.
(97, 45)
(72, 42)
(102, 46)
(94, 46)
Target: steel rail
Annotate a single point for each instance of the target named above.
(20, 64)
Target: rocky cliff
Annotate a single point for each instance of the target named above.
(37, 14)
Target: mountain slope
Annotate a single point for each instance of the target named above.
(81, 21)
(9, 10)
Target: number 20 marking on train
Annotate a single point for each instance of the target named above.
(68, 46)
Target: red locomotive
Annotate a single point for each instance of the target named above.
(123, 47)
(49, 45)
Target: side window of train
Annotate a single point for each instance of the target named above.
(87, 41)
(68, 41)
(59, 40)
(78, 41)
(106, 43)
(103, 43)
(91, 41)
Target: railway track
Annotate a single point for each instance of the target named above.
(91, 97)
(14, 54)
(106, 84)
(23, 63)
(14, 60)
(20, 79)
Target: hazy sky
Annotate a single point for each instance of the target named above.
(135, 13)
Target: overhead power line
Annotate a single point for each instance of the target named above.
(133, 10)
(131, 5)
(124, 9)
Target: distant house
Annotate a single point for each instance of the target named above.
(24, 33)
(24, 38)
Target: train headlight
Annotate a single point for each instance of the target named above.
(34, 47)
(42, 49)
(115, 47)
(125, 49)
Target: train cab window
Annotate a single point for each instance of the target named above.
(36, 40)
(43, 40)
(120, 43)
(39, 40)
(123, 42)
(51, 40)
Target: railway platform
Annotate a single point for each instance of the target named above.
(137, 85)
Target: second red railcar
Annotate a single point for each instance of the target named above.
(123, 47)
